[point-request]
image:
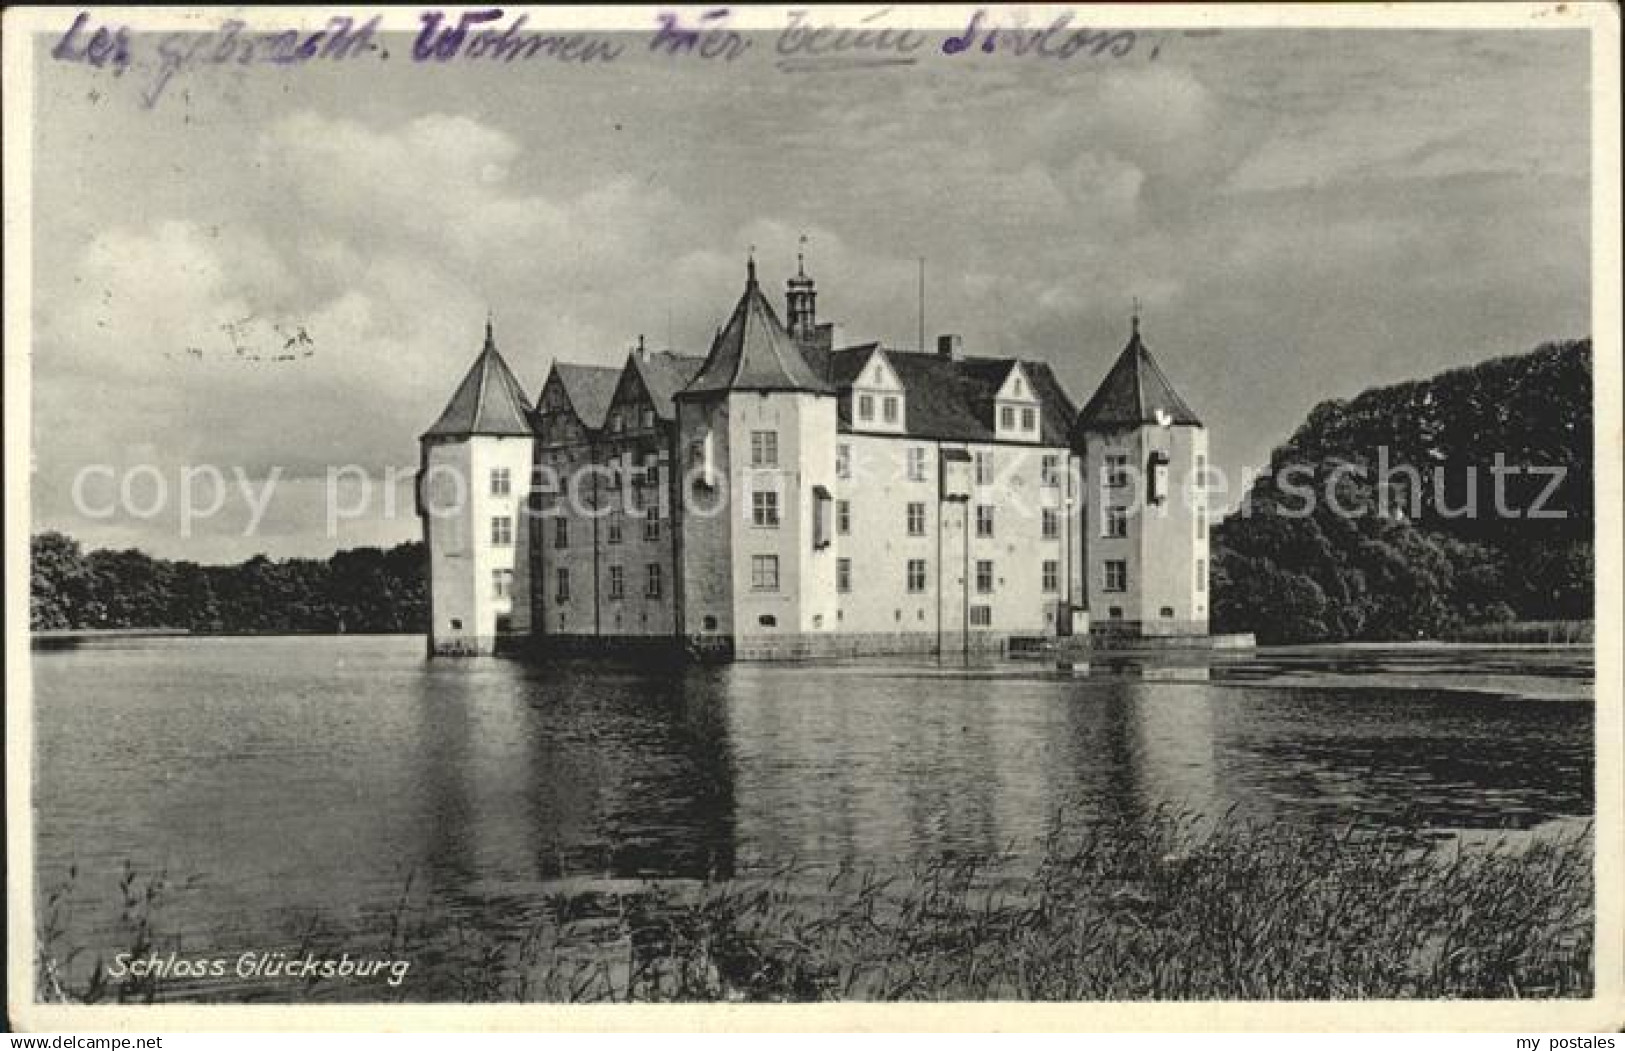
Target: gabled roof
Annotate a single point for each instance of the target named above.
(590, 389)
(847, 364)
(754, 352)
(664, 374)
(1135, 391)
(489, 401)
(953, 400)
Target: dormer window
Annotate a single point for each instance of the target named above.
(648, 419)
(888, 409)
(866, 407)
(1017, 408)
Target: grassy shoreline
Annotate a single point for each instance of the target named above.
(1171, 908)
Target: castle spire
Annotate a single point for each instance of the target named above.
(754, 350)
(801, 299)
(489, 400)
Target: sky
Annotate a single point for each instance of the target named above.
(1302, 215)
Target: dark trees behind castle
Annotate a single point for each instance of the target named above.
(1424, 567)
(360, 590)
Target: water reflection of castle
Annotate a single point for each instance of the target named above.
(718, 773)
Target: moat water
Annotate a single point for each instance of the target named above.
(279, 783)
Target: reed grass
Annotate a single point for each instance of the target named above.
(1170, 908)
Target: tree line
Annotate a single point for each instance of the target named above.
(1392, 560)
(366, 589)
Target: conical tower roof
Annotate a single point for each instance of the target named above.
(489, 400)
(754, 352)
(1134, 392)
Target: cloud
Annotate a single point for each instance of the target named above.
(1299, 214)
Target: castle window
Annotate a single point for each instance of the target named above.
(866, 407)
(1201, 574)
(916, 575)
(561, 532)
(1157, 487)
(843, 575)
(501, 583)
(1051, 576)
(981, 616)
(1116, 524)
(456, 624)
(702, 459)
(1052, 523)
(1029, 419)
(843, 517)
(617, 582)
(1167, 613)
(916, 519)
(648, 419)
(984, 577)
(764, 572)
(984, 520)
(1116, 470)
(709, 623)
(768, 620)
(1007, 418)
(1201, 471)
(501, 483)
(764, 510)
(843, 460)
(1116, 575)
(822, 515)
(561, 587)
(651, 524)
(888, 409)
(1115, 613)
(502, 531)
(1049, 470)
(616, 423)
(1201, 522)
(984, 468)
(764, 448)
(654, 582)
(916, 464)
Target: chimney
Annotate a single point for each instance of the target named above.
(951, 347)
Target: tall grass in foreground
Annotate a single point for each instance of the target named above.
(1160, 909)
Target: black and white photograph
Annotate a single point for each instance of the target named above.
(965, 507)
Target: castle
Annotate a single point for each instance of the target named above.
(787, 496)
